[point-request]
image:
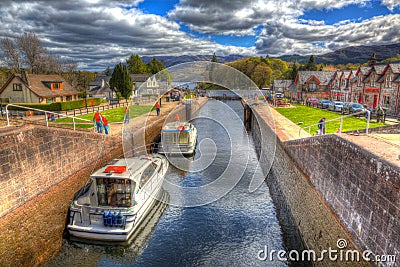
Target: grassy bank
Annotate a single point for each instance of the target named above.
(309, 116)
(112, 115)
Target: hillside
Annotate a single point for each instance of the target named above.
(352, 54)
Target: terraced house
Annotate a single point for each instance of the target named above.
(31, 88)
(368, 85)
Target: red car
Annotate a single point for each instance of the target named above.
(312, 102)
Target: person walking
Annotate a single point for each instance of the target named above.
(105, 124)
(126, 117)
(158, 108)
(98, 122)
(321, 125)
(380, 114)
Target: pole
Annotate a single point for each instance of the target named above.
(47, 120)
(73, 120)
(368, 119)
(341, 125)
(8, 120)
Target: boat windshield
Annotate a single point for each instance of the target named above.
(175, 137)
(114, 192)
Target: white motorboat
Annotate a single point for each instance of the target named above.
(117, 198)
(178, 138)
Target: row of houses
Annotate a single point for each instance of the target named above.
(372, 86)
(32, 88)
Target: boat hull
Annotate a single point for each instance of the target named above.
(89, 224)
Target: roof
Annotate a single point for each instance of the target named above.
(140, 77)
(173, 126)
(397, 78)
(98, 90)
(97, 80)
(379, 68)
(282, 83)
(325, 77)
(364, 70)
(36, 83)
(395, 67)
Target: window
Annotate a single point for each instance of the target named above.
(387, 81)
(183, 138)
(390, 81)
(114, 192)
(68, 98)
(56, 86)
(313, 87)
(147, 174)
(17, 87)
(386, 101)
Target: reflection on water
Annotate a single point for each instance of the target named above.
(229, 231)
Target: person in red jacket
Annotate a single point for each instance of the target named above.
(105, 125)
(158, 108)
(98, 122)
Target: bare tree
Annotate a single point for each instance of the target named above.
(32, 50)
(11, 53)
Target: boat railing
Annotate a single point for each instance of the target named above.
(46, 112)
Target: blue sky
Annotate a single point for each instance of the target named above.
(98, 33)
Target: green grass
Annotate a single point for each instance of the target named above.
(310, 116)
(112, 115)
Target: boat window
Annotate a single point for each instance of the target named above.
(147, 173)
(114, 192)
(183, 138)
(169, 138)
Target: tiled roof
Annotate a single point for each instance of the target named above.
(395, 67)
(324, 77)
(140, 77)
(38, 86)
(364, 70)
(98, 90)
(397, 78)
(282, 83)
(97, 80)
(379, 68)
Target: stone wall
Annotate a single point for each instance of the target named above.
(362, 189)
(299, 205)
(42, 169)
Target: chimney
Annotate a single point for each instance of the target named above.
(102, 83)
(24, 77)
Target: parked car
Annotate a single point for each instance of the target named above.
(351, 107)
(336, 106)
(312, 102)
(324, 103)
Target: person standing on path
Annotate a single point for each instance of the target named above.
(321, 125)
(98, 121)
(158, 108)
(126, 117)
(105, 124)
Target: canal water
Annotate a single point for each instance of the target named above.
(229, 231)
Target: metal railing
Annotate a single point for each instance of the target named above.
(341, 122)
(45, 114)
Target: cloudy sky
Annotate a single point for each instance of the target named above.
(101, 33)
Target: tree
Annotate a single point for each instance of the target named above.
(11, 53)
(311, 65)
(108, 71)
(155, 66)
(121, 81)
(136, 65)
(214, 58)
(262, 75)
(32, 50)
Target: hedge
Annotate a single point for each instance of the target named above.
(61, 106)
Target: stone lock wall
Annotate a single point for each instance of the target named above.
(42, 168)
(302, 208)
(362, 189)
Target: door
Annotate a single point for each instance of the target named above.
(375, 101)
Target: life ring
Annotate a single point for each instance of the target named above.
(181, 128)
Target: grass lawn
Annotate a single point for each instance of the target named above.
(112, 115)
(310, 116)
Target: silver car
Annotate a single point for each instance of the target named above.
(336, 106)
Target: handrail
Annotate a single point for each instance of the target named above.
(45, 113)
(341, 121)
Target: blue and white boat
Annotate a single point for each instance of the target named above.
(117, 198)
(178, 138)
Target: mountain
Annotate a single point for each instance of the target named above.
(352, 54)
(174, 60)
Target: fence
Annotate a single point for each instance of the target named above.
(341, 122)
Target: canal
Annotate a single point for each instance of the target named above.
(229, 231)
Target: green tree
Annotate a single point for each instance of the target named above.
(121, 81)
(155, 66)
(136, 65)
(311, 65)
(261, 75)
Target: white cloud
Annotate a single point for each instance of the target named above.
(391, 4)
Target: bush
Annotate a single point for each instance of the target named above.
(61, 106)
